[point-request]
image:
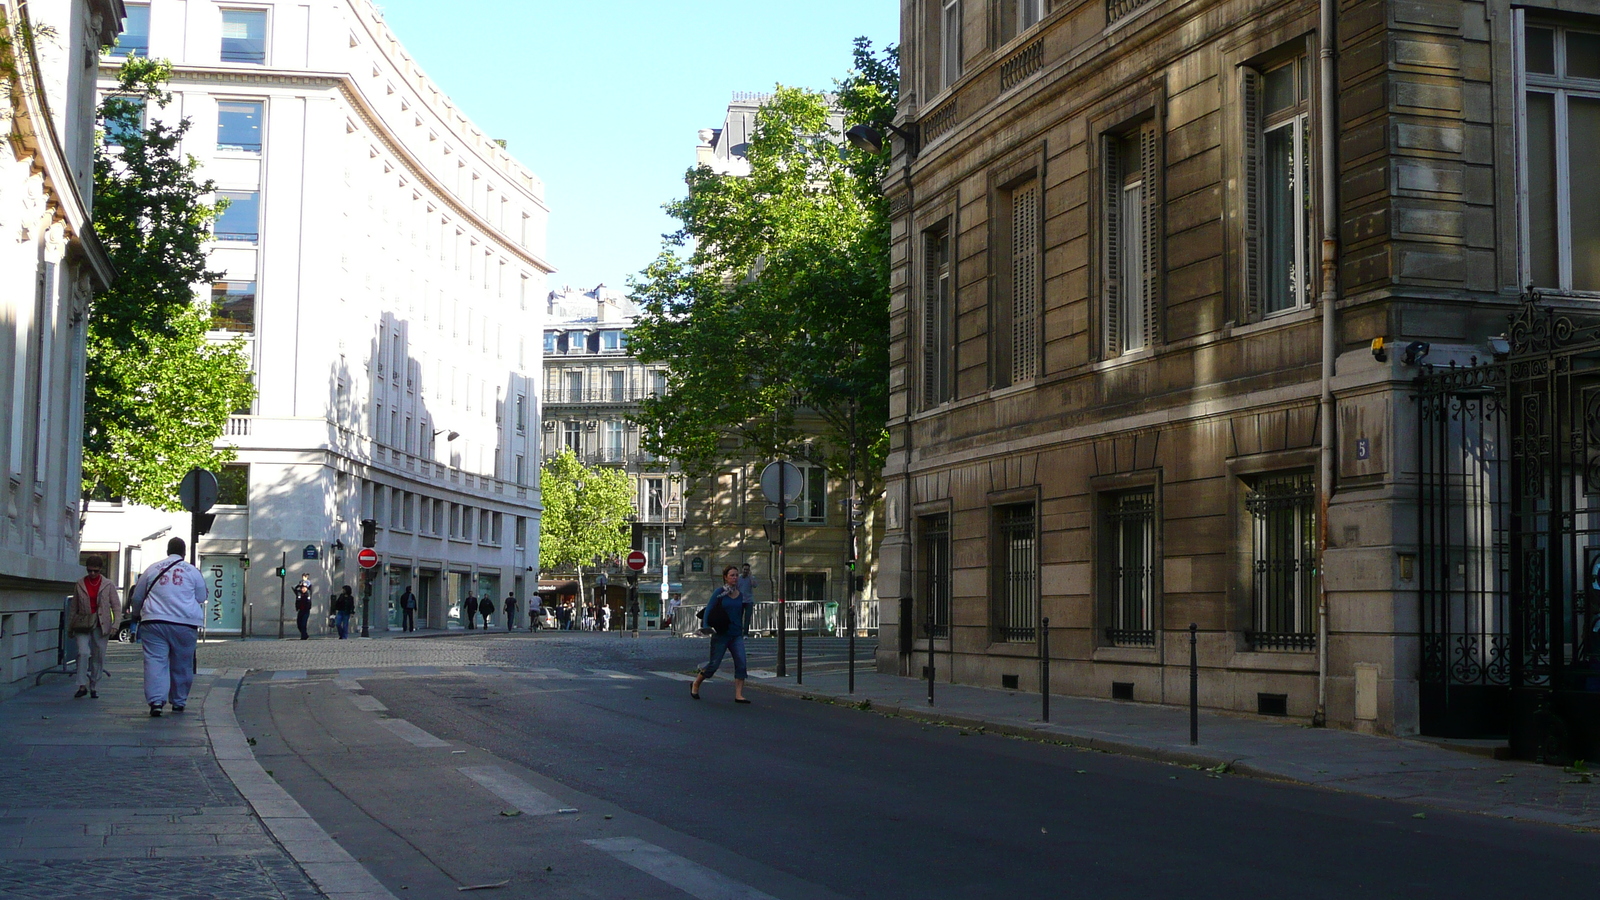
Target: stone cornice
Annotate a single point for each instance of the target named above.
(345, 83)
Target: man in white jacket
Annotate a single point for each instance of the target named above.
(170, 598)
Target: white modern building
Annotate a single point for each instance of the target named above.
(383, 259)
(51, 265)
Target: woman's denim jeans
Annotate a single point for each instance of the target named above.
(726, 643)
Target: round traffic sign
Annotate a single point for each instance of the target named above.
(781, 478)
(368, 558)
(198, 490)
(636, 560)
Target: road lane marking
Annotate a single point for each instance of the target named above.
(347, 684)
(420, 670)
(612, 673)
(354, 673)
(513, 790)
(675, 676)
(690, 877)
(367, 702)
(289, 675)
(762, 673)
(411, 733)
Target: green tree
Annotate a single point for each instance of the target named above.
(770, 303)
(579, 525)
(158, 392)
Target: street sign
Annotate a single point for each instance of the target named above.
(368, 558)
(791, 512)
(198, 490)
(793, 481)
(310, 552)
(636, 560)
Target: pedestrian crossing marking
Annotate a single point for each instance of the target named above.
(684, 874)
(612, 673)
(513, 790)
(368, 703)
(762, 673)
(411, 734)
(289, 675)
(675, 676)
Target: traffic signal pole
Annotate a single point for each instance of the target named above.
(283, 574)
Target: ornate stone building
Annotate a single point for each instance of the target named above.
(51, 265)
(1126, 398)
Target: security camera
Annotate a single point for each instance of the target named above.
(1378, 351)
(1416, 352)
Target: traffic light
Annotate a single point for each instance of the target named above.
(282, 572)
(369, 532)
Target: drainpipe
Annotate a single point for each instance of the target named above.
(1330, 294)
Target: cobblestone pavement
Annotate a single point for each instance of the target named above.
(103, 801)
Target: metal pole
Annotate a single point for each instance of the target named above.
(850, 621)
(366, 599)
(779, 579)
(1194, 686)
(800, 647)
(850, 573)
(283, 566)
(1044, 667)
(930, 658)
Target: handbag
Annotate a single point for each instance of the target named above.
(717, 618)
(137, 603)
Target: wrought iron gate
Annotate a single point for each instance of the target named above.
(1509, 540)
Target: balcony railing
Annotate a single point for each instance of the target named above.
(592, 395)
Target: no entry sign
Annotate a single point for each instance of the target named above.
(368, 557)
(636, 560)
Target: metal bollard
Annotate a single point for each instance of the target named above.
(1044, 667)
(800, 649)
(1194, 685)
(852, 645)
(930, 659)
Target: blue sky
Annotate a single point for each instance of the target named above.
(603, 100)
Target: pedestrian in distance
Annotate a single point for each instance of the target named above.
(130, 612)
(564, 617)
(511, 611)
(747, 589)
(724, 615)
(536, 613)
(302, 605)
(605, 617)
(408, 610)
(469, 610)
(344, 606)
(170, 601)
(95, 607)
(486, 609)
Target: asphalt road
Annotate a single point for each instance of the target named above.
(667, 797)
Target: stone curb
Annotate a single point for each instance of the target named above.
(334, 871)
(1054, 734)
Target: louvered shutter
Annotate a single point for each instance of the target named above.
(1250, 101)
(1150, 216)
(1110, 308)
(1025, 282)
(932, 324)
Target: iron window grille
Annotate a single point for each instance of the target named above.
(1129, 585)
(935, 547)
(1018, 611)
(1284, 570)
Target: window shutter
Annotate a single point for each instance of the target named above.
(1111, 286)
(1025, 282)
(932, 324)
(1250, 101)
(1150, 215)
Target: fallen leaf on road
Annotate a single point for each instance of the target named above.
(510, 812)
(1042, 831)
(1502, 781)
(1419, 815)
(1083, 771)
(566, 810)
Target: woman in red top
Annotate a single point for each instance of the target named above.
(96, 604)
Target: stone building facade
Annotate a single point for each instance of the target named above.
(1114, 404)
(51, 266)
(383, 261)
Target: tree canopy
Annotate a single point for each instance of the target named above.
(770, 303)
(578, 526)
(159, 391)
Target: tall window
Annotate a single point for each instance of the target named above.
(124, 119)
(933, 552)
(658, 384)
(610, 340)
(1017, 310)
(233, 485)
(1130, 241)
(655, 497)
(135, 37)
(522, 413)
(813, 499)
(241, 221)
(949, 43)
(1280, 258)
(1127, 567)
(1284, 571)
(652, 550)
(233, 306)
(809, 587)
(1016, 588)
(244, 35)
(572, 436)
(575, 387)
(1561, 69)
(936, 318)
(619, 384)
(614, 442)
(1029, 12)
(239, 125)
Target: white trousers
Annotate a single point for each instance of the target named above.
(91, 657)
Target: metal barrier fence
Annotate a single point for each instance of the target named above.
(813, 616)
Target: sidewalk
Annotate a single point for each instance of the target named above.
(1411, 771)
(101, 800)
